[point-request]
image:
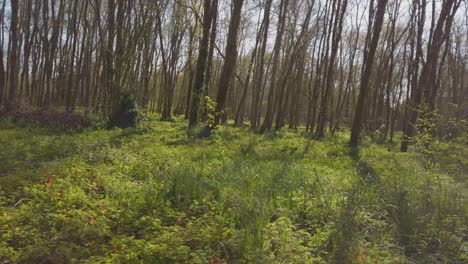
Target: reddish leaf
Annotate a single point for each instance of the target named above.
(49, 180)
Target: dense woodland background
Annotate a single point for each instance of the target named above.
(322, 64)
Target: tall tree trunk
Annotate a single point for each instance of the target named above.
(201, 62)
(337, 30)
(239, 118)
(366, 74)
(2, 66)
(229, 63)
(426, 88)
(267, 123)
(257, 87)
(13, 58)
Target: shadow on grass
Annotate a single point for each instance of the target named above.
(364, 169)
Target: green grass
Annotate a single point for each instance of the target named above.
(152, 194)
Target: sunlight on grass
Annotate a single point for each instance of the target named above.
(154, 194)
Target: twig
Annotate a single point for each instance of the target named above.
(20, 201)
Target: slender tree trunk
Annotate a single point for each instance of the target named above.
(229, 63)
(13, 58)
(366, 74)
(201, 63)
(267, 123)
(257, 87)
(2, 66)
(337, 31)
(428, 78)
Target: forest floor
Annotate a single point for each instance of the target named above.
(153, 194)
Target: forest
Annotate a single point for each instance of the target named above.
(234, 131)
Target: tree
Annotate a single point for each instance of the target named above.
(338, 12)
(229, 63)
(267, 123)
(259, 72)
(200, 69)
(426, 87)
(13, 58)
(367, 71)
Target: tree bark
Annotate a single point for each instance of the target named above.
(366, 74)
(229, 63)
(13, 63)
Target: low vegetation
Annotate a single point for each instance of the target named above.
(153, 194)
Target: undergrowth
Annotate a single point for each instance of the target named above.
(154, 194)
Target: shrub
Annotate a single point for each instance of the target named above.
(126, 112)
